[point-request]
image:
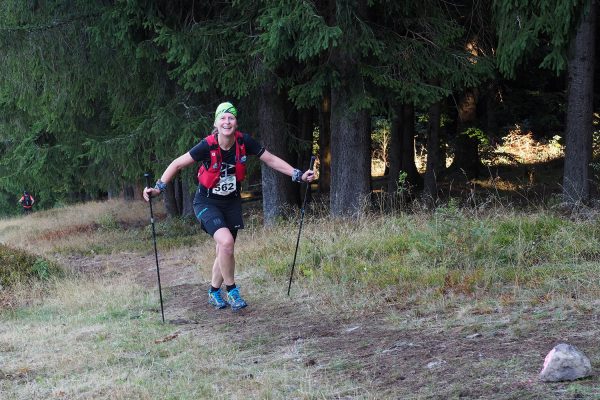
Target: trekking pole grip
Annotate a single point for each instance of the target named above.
(148, 185)
(310, 167)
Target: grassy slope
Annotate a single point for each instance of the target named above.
(383, 308)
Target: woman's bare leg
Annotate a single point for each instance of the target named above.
(224, 265)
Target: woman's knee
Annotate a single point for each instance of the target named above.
(226, 247)
(225, 241)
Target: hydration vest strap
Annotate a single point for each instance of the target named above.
(213, 147)
(209, 176)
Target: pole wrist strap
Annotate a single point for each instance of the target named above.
(297, 175)
(160, 185)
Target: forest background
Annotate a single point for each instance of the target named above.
(455, 104)
(95, 93)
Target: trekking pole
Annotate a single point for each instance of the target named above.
(162, 312)
(312, 161)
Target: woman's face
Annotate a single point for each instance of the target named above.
(226, 124)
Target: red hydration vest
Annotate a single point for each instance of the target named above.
(27, 201)
(209, 177)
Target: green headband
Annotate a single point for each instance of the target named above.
(225, 108)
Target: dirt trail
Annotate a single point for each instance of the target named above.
(439, 360)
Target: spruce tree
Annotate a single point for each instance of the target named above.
(565, 31)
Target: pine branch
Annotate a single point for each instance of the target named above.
(49, 26)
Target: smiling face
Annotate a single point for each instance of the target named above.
(226, 124)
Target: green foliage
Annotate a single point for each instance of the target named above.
(95, 93)
(42, 269)
(524, 26)
(293, 30)
(423, 56)
(402, 183)
(108, 222)
(477, 134)
(19, 266)
(96, 110)
(397, 62)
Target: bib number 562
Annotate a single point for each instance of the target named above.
(225, 186)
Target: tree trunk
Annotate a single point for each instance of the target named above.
(305, 133)
(187, 209)
(170, 201)
(466, 155)
(177, 183)
(325, 145)
(128, 192)
(350, 125)
(394, 155)
(402, 149)
(407, 151)
(434, 161)
(277, 189)
(580, 97)
(350, 145)
(492, 105)
(328, 10)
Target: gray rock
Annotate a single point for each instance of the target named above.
(473, 336)
(435, 364)
(565, 363)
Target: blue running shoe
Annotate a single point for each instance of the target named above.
(215, 299)
(235, 299)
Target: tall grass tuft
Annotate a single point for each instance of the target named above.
(19, 266)
(449, 251)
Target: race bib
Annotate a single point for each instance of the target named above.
(226, 185)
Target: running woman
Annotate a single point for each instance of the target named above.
(217, 202)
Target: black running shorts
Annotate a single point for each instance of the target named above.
(214, 214)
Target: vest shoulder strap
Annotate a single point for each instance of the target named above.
(212, 141)
(240, 137)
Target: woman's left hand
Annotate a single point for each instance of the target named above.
(150, 192)
(308, 176)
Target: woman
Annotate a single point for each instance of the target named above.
(217, 203)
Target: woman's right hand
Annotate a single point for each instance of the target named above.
(150, 192)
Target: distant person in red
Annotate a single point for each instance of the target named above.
(27, 202)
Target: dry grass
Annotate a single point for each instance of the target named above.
(44, 230)
(375, 300)
(99, 339)
(520, 147)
